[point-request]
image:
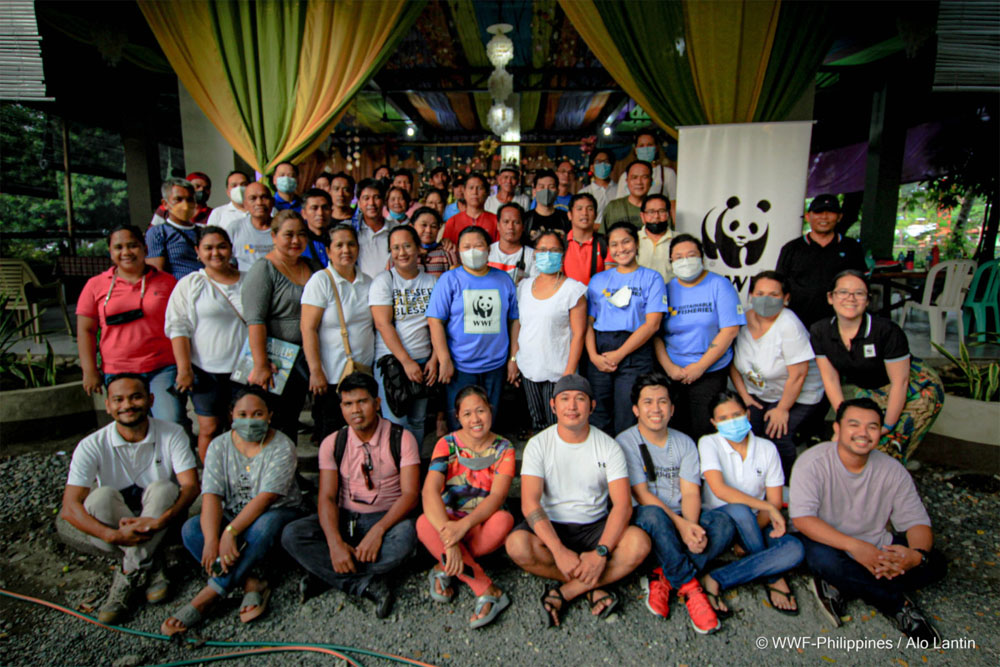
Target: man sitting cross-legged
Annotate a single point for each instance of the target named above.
(666, 483)
(569, 471)
(127, 482)
(367, 487)
(843, 495)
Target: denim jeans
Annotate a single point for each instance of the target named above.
(412, 421)
(491, 381)
(854, 581)
(800, 414)
(613, 391)
(166, 406)
(257, 541)
(680, 565)
(306, 542)
(767, 557)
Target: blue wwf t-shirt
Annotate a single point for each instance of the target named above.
(476, 311)
(648, 296)
(695, 316)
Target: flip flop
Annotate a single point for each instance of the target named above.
(611, 595)
(499, 604)
(716, 599)
(257, 600)
(187, 615)
(790, 595)
(436, 575)
(550, 593)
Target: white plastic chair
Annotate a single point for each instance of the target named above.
(958, 276)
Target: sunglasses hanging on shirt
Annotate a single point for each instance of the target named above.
(125, 316)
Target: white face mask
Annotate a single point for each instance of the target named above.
(474, 258)
(236, 194)
(621, 298)
(687, 268)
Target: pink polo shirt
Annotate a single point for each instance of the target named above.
(139, 346)
(354, 494)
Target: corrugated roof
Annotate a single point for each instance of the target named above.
(968, 51)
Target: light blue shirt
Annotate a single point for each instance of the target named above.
(476, 311)
(695, 316)
(649, 295)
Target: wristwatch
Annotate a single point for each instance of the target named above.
(602, 551)
(923, 556)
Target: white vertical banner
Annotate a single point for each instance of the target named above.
(741, 190)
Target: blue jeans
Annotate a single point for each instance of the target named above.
(412, 421)
(854, 581)
(306, 542)
(680, 565)
(258, 538)
(491, 381)
(166, 406)
(767, 557)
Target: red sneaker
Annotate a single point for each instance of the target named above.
(657, 590)
(703, 616)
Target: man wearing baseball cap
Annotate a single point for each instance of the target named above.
(809, 263)
(569, 472)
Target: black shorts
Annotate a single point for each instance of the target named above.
(579, 537)
(212, 393)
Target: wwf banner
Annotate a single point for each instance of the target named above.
(740, 191)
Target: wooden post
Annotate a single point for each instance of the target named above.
(886, 141)
(68, 188)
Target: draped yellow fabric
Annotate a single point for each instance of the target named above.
(340, 46)
(729, 46)
(184, 30)
(587, 21)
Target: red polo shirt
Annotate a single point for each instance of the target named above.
(461, 220)
(576, 263)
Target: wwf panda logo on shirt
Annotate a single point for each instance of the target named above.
(737, 228)
(482, 306)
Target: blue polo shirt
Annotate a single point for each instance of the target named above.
(176, 245)
(476, 311)
(649, 295)
(695, 316)
(280, 203)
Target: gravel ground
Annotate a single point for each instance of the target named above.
(966, 606)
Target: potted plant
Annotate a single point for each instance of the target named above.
(39, 397)
(971, 410)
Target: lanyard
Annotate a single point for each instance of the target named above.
(114, 279)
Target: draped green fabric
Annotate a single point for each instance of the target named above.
(800, 43)
(249, 34)
(650, 37)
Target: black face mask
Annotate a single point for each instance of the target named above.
(200, 196)
(657, 227)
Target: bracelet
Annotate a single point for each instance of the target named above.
(513, 357)
(889, 427)
(231, 530)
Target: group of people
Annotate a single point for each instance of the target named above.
(392, 317)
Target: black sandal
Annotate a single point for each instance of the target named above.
(553, 614)
(610, 596)
(717, 599)
(790, 596)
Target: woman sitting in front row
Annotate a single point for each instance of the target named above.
(873, 354)
(743, 479)
(470, 474)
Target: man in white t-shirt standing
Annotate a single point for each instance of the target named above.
(509, 253)
(569, 472)
(507, 181)
(127, 482)
(843, 496)
(228, 215)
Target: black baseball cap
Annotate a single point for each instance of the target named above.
(572, 383)
(825, 202)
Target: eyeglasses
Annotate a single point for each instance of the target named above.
(366, 470)
(663, 212)
(844, 295)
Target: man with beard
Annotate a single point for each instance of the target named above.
(127, 482)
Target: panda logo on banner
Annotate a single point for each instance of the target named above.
(737, 228)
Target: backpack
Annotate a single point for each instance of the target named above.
(395, 444)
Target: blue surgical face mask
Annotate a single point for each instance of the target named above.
(286, 184)
(397, 216)
(251, 430)
(602, 170)
(646, 153)
(734, 430)
(430, 246)
(548, 262)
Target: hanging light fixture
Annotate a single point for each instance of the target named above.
(500, 48)
(500, 84)
(500, 117)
